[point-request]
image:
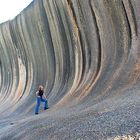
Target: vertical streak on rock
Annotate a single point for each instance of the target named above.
(20, 70)
(75, 51)
(130, 16)
(93, 80)
(0, 74)
(99, 47)
(7, 65)
(77, 48)
(129, 26)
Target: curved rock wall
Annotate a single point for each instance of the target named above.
(83, 51)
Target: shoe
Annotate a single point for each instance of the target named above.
(36, 113)
(45, 108)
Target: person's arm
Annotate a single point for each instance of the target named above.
(37, 94)
(44, 96)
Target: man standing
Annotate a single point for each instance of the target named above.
(41, 98)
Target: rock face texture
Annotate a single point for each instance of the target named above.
(86, 55)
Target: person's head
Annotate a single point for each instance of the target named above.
(40, 87)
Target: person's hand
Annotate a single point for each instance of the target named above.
(45, 96)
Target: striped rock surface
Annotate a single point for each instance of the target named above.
(86, 53)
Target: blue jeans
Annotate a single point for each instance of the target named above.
(39, 100)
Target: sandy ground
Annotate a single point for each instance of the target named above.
(112, 117)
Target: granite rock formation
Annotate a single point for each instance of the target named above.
(86, 55)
